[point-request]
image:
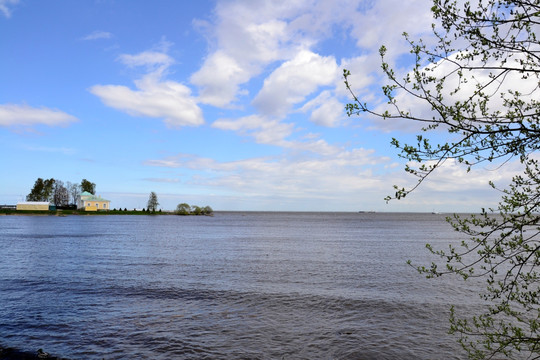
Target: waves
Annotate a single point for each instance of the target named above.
(239, 287)
(160, 323)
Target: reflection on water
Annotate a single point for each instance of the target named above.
(236, 285)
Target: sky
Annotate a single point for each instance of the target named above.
(235, 104)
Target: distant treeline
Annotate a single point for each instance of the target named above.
(186, 209)
(56, 192)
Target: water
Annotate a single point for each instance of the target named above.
(236, 285)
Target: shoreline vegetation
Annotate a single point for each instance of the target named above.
(96, 213)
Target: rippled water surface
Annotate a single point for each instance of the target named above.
(235, 285)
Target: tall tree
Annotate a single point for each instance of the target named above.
(60, 194)
(42, 190)
(88, 186)
(480, 82)
(36, 192)
(74, 190)
(152, 202)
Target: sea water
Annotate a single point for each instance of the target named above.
(231, 286)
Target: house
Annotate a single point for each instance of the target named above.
(89, 202)
(33, 205)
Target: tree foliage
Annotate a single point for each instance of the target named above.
(54, 191)
(88, 186)
(183, 209)
(186, 209)
(152, 202)
(480, 83)
(42, 190)
(60, 194)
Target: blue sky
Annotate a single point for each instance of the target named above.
(236, 104)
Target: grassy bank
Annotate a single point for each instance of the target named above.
(80, 212)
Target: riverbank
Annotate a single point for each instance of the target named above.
(82, 212)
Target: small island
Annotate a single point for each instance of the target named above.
(51, 197)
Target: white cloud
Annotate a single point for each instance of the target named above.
(351, 179)
(293, 81)
(384, 21)
(163, 180)
(98, 35)
(147, 58)
(275, 132)
(153, 96)
(5, 6)
(262, 129)
(497, 91)
(250, 35)
(246, 123)
(452, 187)
(328, 114)
(451, 176)
(307, 177)
(159, 99)
(365, 72)
(325, 109)
(219, 79)
(14, 115)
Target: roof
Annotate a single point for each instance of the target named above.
(33, 203)
(88, 196)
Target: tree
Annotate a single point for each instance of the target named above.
(196, 210)
(183, 209)
(152, 202)
(480, 82)
(88, 186)
(36, 192)
(207, 210)
(74, 190)
(60, 195)
(42, 190)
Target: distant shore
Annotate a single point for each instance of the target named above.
(82, 212)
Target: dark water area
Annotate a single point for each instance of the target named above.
(231, 286)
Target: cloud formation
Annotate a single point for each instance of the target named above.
(153, 97)
(17, 115)
(351, 177)
(219, 79)
(6, 5)
(266, 59)
(326, 110)
(147, 58)
(306, 177)
(98, 35)
(293, 81)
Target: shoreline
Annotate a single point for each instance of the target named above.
(62, 213)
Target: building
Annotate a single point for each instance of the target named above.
(90, 202)
(33, 205)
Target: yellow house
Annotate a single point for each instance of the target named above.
(90, 202)
(33, 205)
